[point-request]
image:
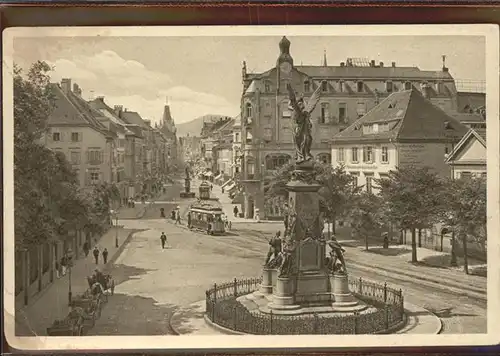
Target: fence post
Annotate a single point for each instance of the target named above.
(360, 285)
(214, 303)
(356, 314)
(315, 323)
(386, 314)
(235, 288)
(271, 323)
(402, 301)
(234, 317)
(385, 292)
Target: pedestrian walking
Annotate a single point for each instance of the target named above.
(86, 248)
(96, 253)
(235, 211)
(58, 270)
(178, 216)
(163, 239)
(63, 265)
(105, 255)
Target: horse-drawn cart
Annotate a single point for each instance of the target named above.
(72, 325)
(90, 304)
(102, 284)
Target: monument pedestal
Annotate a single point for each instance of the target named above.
(342, 298)
(266, 287)
(283, 295)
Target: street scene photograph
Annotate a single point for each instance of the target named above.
(227, 185)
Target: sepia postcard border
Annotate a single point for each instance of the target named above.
(491, 34)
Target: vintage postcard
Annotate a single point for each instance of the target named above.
(241, 187)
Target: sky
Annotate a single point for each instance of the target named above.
(202, 75)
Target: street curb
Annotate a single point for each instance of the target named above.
(221, 329)
(452, 287)
(439, 322)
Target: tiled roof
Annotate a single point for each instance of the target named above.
(372, 72)
(132, 117)
(408, 116)
(72, 109)
(106, 111)
(465, 117)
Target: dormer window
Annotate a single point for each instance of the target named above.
(267, 86)
(324, 86)
(408, 85)
(360, 86)
(388, 86)
(307, 86)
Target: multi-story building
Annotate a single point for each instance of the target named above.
(405, 129)
(211, 134)
(348, 91)
(76, 130)
(236, 155)
(168, 129)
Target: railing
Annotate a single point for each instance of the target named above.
(223, 309)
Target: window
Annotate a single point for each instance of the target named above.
(325, 109)
(341, 86)
(369, 182)
(121, 143)
(446, 150)
(324, 86)
(355, 178)
(94, 177)
(367, 154)
(360, 87)
(361, 109)
(340, 155)
(75, 137)
(267, 86)
(248, 110)
(75, 157)
(466, 175)
(237, 137)
(95, 157)
(440, 87)
(483, 175)
(385, 155)
(307, 86)
(342, 112)
(56, 136)
(354, 155)
(268, 134)
(324, 158)
(388, 86)
(408, 85)
(286, 114)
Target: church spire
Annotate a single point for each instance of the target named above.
(324, 59)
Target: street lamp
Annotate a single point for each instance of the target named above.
(115, 213)
(69, 260)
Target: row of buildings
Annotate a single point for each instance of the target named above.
(111, 144)
(371, 118)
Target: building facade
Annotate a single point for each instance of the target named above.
(348, 91)
(405, 129)
(468, 158)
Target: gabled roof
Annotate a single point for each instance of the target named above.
(479, 135)
(251, 88)
(72, 109)
(409, 116)
(106, 111)
(372, 72)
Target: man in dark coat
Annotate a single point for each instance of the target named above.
(163, 239)
(96, 253)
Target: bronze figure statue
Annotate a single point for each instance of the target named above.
(336, 255)
(302, 122)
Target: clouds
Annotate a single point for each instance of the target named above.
(133, 85)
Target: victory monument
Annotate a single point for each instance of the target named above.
(187, 193)
(302, 290)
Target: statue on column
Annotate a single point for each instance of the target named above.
(287, 265)
(302, 122)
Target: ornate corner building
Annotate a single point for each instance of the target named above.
(349, 91)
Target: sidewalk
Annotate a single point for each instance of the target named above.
(396, 259)
(52, 303)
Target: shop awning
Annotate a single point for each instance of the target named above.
(229, 181)
(219, 176)
(230, 187)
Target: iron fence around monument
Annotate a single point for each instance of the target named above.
(224, 310)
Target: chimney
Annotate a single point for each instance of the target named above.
(372, 64)
(100, 98)
(393, 64)
(75, 88)
(66, 85)
(342, 64)
(148, 122)
(118, 109)
(381, 64)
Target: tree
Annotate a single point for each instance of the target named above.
(412, 199)
(337, 191)
(465, 211)
(365, 215)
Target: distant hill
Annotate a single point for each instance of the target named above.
(193, 127)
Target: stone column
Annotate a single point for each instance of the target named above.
(267, 281)
(341, 295)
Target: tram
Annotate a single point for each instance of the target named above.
(206, 216)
